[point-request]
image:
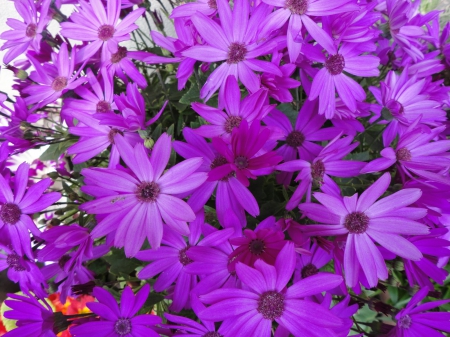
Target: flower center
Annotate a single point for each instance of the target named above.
(147, 192)
(271, 305)
(105, 32)
(59, 83)
(182, 256)
(403, 154)
(317, 172)
(241, 162)
(103, 106)
(295, 139)
(62, 261)
(236, 52)
(232, 122)
(297, 6)
(213, 5)
(112, 134)
(405, 322)
(212, 334)
(218, 161)
(335, 64)
(31, 30)
(257, 247)
(14, 261)
(356, 222)
(309, 270)
(122, 326)
(119, 55)
(10, 213)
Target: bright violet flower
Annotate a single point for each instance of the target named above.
(417, 320)
(234, 41)
(56, 79)
(25, 34)
(34, 318)
(137, 204)
(119, 322)
(309, 264)
(404, 101)
(16, 208)
(298, 13)
(331, 77)
(207, 7)
(366, 220)
(251, 108)
(264, 244)
(416, 154)
(299, 140)
(250, 312)
(316, 173)
(92, 23)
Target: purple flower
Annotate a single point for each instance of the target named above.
(92, 23)
(250, 312)
(233, 41)
(251, 108)
(15, 209)
(207, 7)
(298, 13)
(115, 321)
(316, 173)
(34, 318)
(136, 204)
(414, 320)
(56, 79)
(27, 33)
(366, 220)
(309, 264)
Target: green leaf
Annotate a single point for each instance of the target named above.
(361, 156)
(289, 111)
(152, 299)
(54, 151)
(192, 95)
(120, 264)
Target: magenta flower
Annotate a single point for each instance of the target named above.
(207, 7)
(309, 264)
(298, 13)
(115, 321)
(250, 312)
(417, 320)
(34, 318)
(137, 204)
(366, 220)
(56, 79)
(251, 108)
(16, 208)
(27, 33)
(233, 41)
(331, 77)
(300, 138)
(316, 173)
(92, 23)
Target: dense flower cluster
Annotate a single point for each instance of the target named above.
(171, 164)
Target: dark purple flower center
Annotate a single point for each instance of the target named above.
(213, 5)
(14, 261)
(241, 162)
(236, 52)
(105, 32)
(356, 222)
(31, 30)
(232, 122)
(335, 64)
(147, 192)
(309, 270)
(218, 161)
(10, 213)
(295, 139)
(271, 305)
(122, 326)
(62, 261)
(395, 108)
(119, 55)
(403, 154)
(297, 6)
(112, 134)
(405, 322)
(103, 106)
(317, 172)
(59, 83)
(183, 258)
(257, 247)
